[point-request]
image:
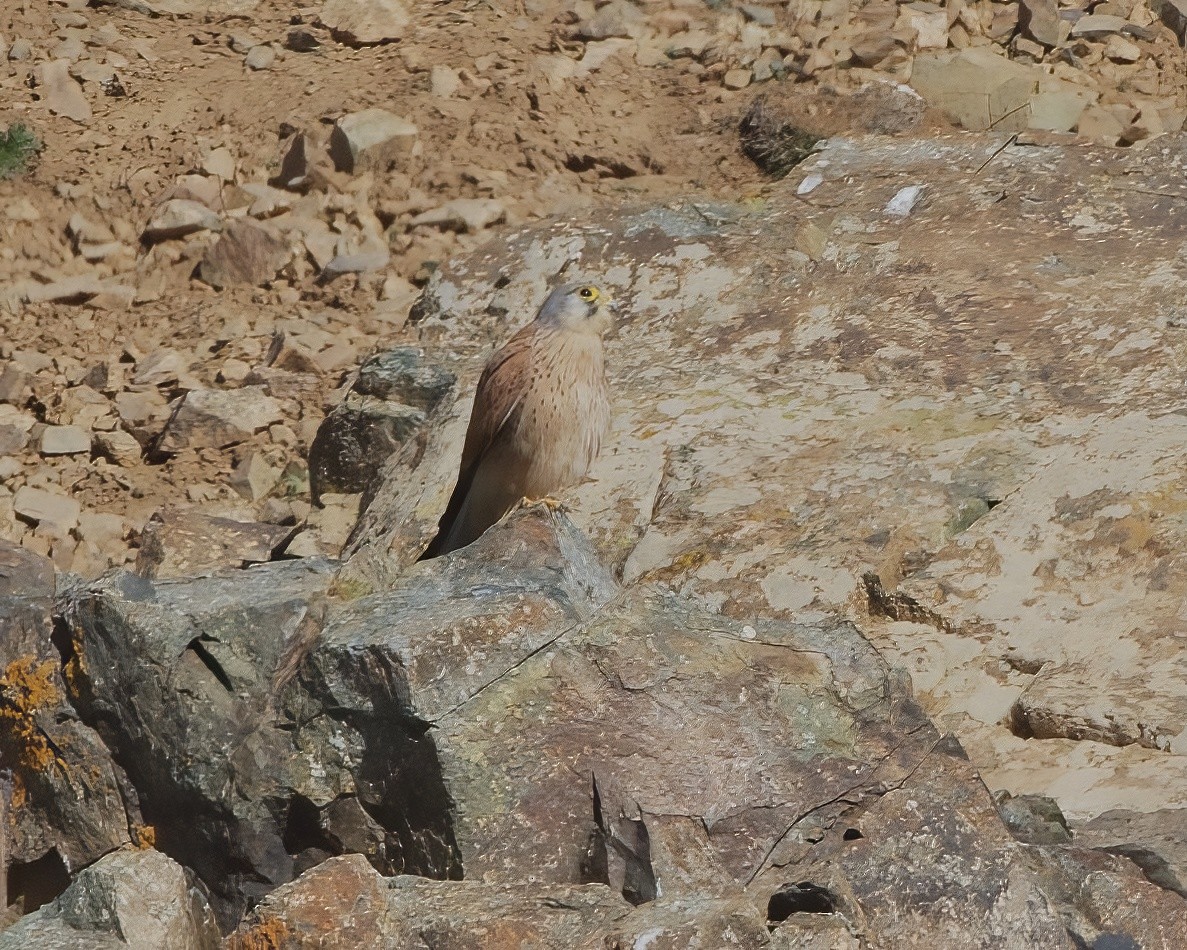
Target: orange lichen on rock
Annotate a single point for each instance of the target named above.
(268, 933)
(27, 687)
(144, 836)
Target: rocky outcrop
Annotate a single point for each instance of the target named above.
(682, 711)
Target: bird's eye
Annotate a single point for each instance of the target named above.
(587, 293)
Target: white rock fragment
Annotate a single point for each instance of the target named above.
(65, 440)
(260, 57)
(904, 201)
(809, 184)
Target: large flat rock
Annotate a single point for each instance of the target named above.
(952, 364)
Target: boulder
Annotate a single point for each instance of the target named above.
(129, 900)
(181, 677)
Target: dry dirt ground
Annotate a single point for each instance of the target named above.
(537, 107)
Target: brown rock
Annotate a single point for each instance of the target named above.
(246, 253)
(211, 418)
(178, 543)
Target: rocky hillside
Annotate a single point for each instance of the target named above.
(865, 630)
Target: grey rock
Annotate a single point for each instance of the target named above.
(1039, 19)
(129, 900)
(260, 57)
(1173, 13)
(387, 405)
(1033, 819)
(184, 678)
(1155, 841)
(215, 418)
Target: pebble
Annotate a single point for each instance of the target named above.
(904, 201)
(260, 57)
(736, 78)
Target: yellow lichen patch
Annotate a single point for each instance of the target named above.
(27, 687)
(269, 933)
(144, 837)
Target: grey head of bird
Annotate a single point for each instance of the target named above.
(579, 307)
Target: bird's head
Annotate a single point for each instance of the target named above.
(578, 306)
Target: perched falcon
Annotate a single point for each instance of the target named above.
(539, 416)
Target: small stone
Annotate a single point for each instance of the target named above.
(364, 22)
(61, 92)
(233, 371)
(929, 24)
(267, 201)
(1121, 50)
(211, 418)
(736, 78)
(361, 263)
(20, 51)
(40, 506)
(463, 214)
(373, 139)
(220, 163)
(904, 201)
(65, 440)
(178, 217)
(301, 40)
(160, 368)
(763, 16)
(136, 409)
(246, 253)
(444, 82)
(119, 446)
(1039, 20)
(260, 57)
(254, 477)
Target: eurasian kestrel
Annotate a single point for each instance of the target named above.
(539, 416)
